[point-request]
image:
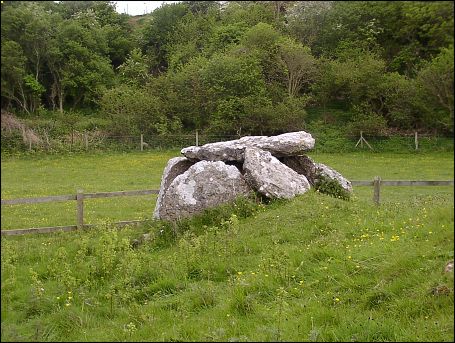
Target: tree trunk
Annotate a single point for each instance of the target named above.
(23, 103)
(60, 100)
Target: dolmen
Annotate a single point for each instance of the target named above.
(217, 173)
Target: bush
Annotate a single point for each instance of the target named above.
(331, 187)
(329, 138)
(133, 111)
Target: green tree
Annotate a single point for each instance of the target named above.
(307, 20)
(400, 100)
(224, 37)
(358, 78)
(155, 34)
(29, 26)
(435, 81)
(262, 41)
(185, 95)
(189, 38)
(13, 73)
(229, 80)
(300, 65)
(81, 69)
(405, 33)
(133, 111)
(248, 13)
(134, 70)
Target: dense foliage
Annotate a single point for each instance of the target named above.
(232, 67)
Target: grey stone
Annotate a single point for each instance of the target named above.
(322, 169)
(287, 144)
(204, 185)
(449, 267)
(270, 177)
(175, 166)
(304, 165)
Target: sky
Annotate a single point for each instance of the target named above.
(138, 7)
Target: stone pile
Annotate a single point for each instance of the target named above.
(217, 173)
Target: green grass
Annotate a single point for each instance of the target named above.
(54, 175)
(314, 268)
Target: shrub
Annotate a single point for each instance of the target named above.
(331, 187)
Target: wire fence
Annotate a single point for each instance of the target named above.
(101, 141)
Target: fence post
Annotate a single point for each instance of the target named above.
(197, 138)
(30, 145)
(86, 141)
(377, 188)
(416, 140)
(80, 208)
(142, 142)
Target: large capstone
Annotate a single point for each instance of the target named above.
(313, 171)
(175, 166)
(204, 185)
(270, 177)
(287, 144)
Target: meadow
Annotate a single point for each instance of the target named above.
(314, 268)
(108, 172)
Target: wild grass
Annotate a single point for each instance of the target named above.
(314, 268)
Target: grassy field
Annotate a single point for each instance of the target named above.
(53, 175)
(314, 268)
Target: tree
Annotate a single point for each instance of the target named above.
(133, 111)
(156, 32)
(224, 37)
(404, 33)
(134, 70)
(307, 20)
(29, 26)
(358, 76)
(229, 80)
(248, 13)
(80, 67)
(436, 82)
(401, 101)
(185, 95)
(13, 73)
(262, 41)
(189, 38)
(299, 63)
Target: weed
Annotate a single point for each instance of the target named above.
(331, 187)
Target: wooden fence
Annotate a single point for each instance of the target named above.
(80, 196)
(377, 183)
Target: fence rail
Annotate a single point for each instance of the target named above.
(53, 198)
(80, 196)
(404, 183)
(377, 183)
